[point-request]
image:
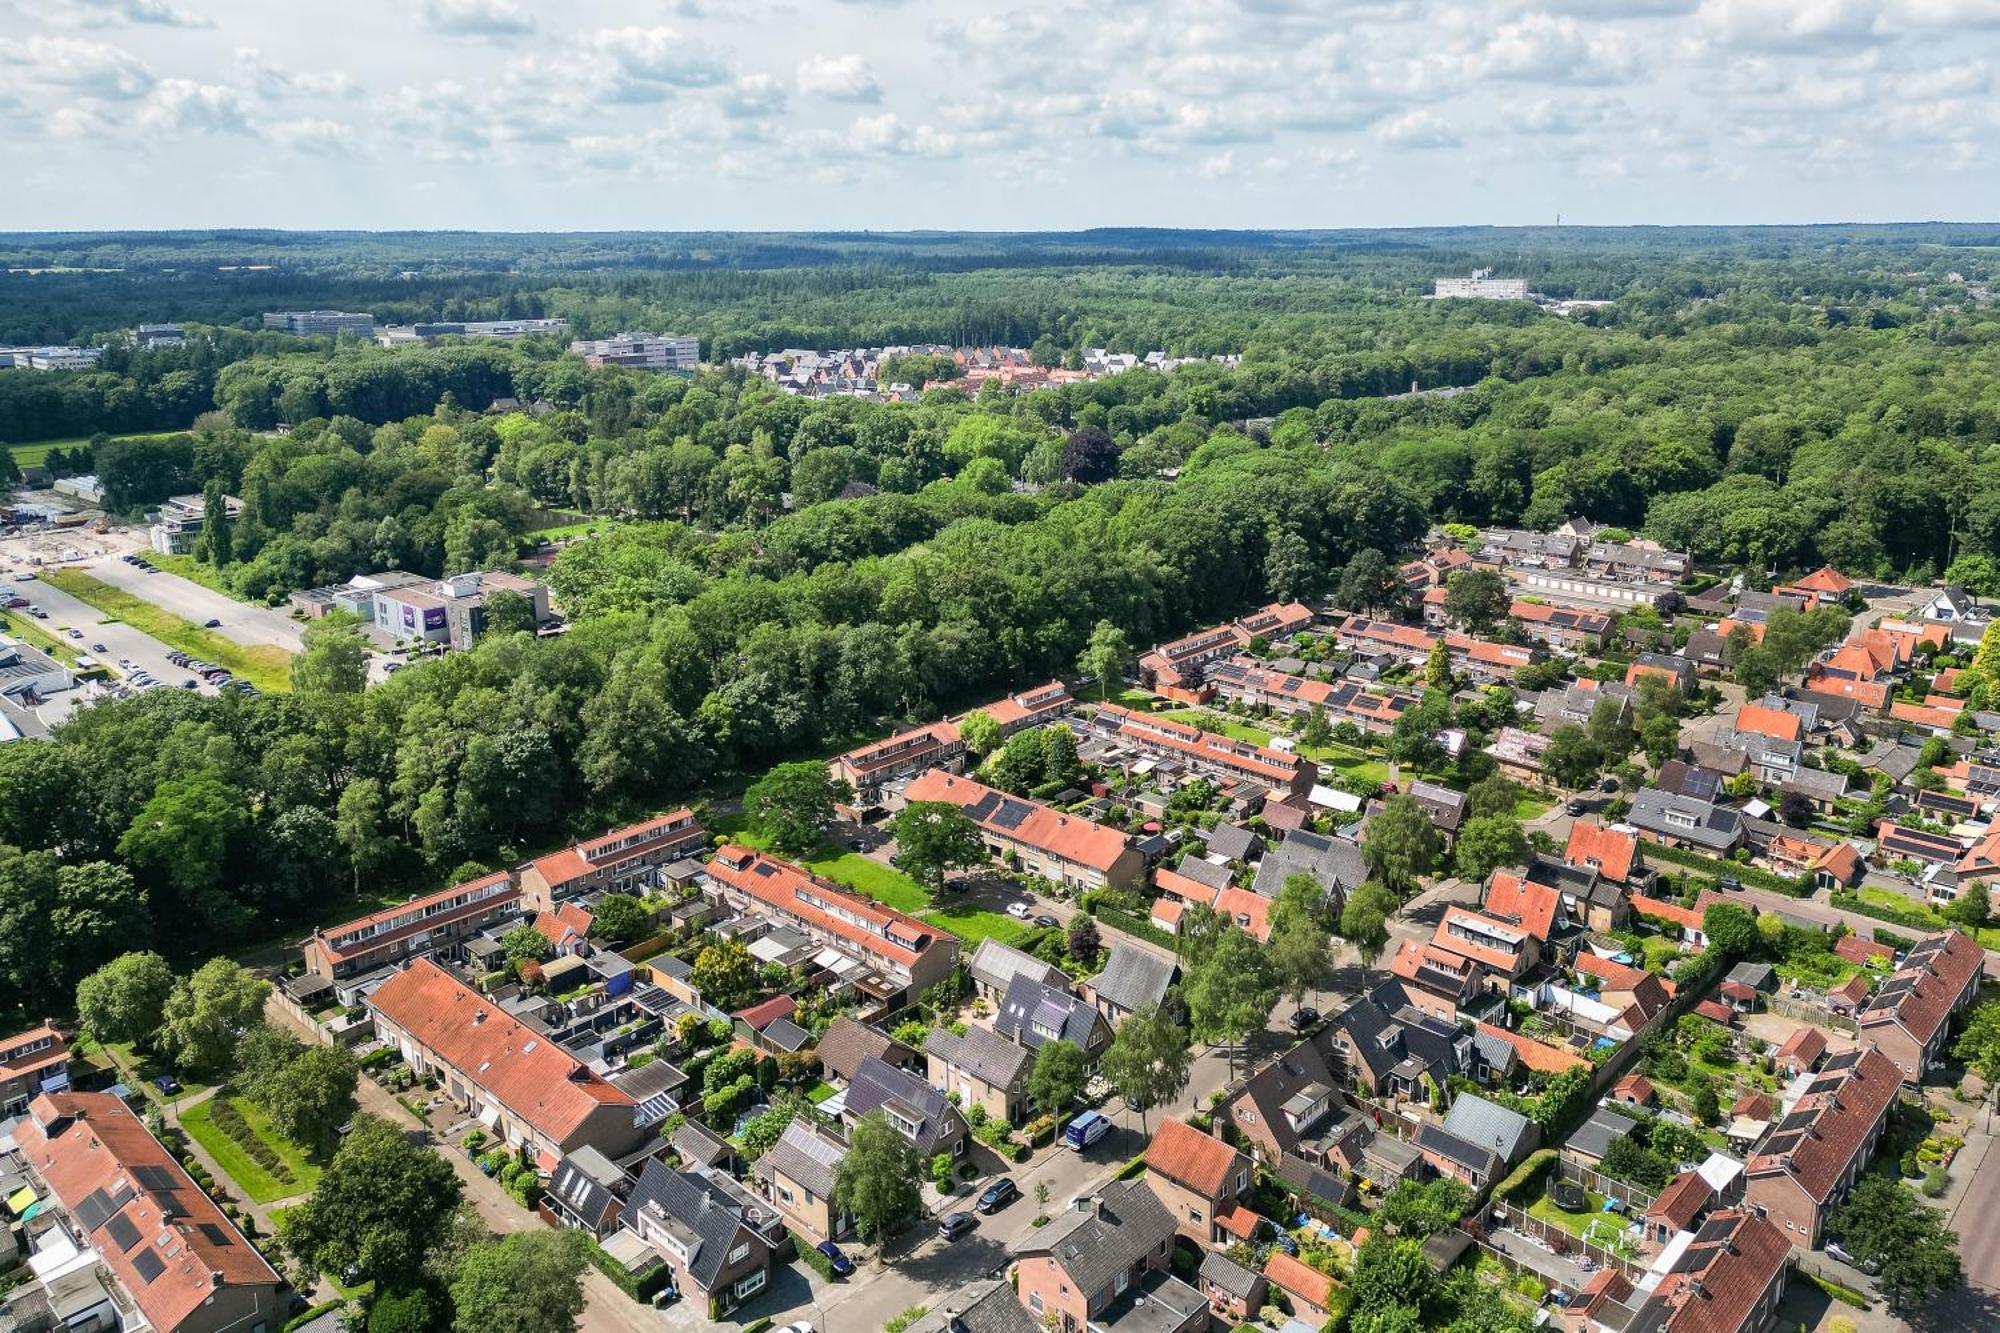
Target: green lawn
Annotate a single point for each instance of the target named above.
(264, 665)
(194, 571)
(1233, 728)
(973, 924)
(1596, 1226)
(28, 455)
(296, 1175)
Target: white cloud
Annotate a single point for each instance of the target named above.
(1787, 25)
(1416, 129)
(490, 19)
(1541, 49)
(91, 69)
(839, 78)
(134, 11)
(184, 106)
(273, 80)
(312, 135)
(651, 64)
(754, 95)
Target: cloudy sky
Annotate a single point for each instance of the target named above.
(993, 113)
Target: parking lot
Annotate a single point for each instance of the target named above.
(124, 650)
(237, 621)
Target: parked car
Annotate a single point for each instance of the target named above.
(74, 633)
(1085, 1130)
(1019, 911)
(1302, 1019)
(1046, 921)
(953, 1225)
(997, 1195)
(211, 623)
(168, 1084)
(842, 1265)
(1573, 806)
(1729, 882)
(99, 648)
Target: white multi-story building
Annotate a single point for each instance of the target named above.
(1482, 286)
(403, 334)
(641, 351)
(50, 358)
(148, 336)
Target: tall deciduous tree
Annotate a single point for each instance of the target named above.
(206, 1014)
(1229, 995)
(1476, 599)
(1400, 843)
(792, 804)
(879, 1181)
(1487, 843)
(125, 1000)
(1300, 950)
(1058, 1077)
(335, 660)
(380, 1207)
(529, 1282)
(1370, 585)
(1364, 922)
(1884, 1223)
(1105, 656)
(1149, 1060)
(933, 838)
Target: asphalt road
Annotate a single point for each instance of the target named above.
(241, 622)
(119, 639)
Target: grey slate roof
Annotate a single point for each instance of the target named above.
(698, 1144)
(1817, 783)
(1029, 1007)
(1335, 862)
(983, 1307)
(982, 1053)
(1595, 1136)
(1234, 842)
(1509, 1135)
(700, 1205)
(585, 1181)
(1095, 1245)
(1134, 978)
(804, 1154)
(1229, 1275)
(1204, 871)
(877, 1085)
(847, 1042)
(995, 965)
(1714, 826)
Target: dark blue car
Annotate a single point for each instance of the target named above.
(842, 1265)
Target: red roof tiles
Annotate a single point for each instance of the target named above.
(1070, 838)
(1607, 850)
(1189, 1157)
(526, 1072)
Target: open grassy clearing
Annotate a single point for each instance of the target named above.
(296, 1175)
(32, 455)
(264, 665)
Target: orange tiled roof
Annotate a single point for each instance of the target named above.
(1776, 723)
(1611, 851)
(862, 922)
(1509, 894)
(1295, 1278)
(624, 844)
(1685, 917)
(85, 1143)
(1827, 581)
(532, 1076)
(570, 921)
(1189, 1157)
(1070, 838)
(1535, 1055)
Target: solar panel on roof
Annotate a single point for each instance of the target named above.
(1011, 814)
(123, 1232)
(94, 1208)
(156, 1177)
(147, 1265)
(214, 1233)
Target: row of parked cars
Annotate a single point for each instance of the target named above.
(220, 677)
(137, 561)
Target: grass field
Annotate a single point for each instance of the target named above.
(28, 455)
(298, 1175)
(193, 570)
(264, 665)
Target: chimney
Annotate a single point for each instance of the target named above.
(1696, 1289)
(478, 1017)
(1089, 1203)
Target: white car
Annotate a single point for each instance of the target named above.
(1019, 911)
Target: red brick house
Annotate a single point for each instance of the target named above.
(1196, 1176)
(1800, 1174)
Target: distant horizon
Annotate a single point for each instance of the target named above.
(1020, 115)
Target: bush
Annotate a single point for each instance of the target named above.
(1844, 1294)
(896, 1323)
(813, 1259)
(1525, 1183)
(305, 1317)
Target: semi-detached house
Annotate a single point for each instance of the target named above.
(1066, 848)
(31, 1063)
(911, 955)
(1177, 669)
(525, 1088)
(413, 929)
(1242, 680)
(626, 860)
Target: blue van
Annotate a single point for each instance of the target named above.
(1085, 1130)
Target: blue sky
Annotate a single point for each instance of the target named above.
(895, 114)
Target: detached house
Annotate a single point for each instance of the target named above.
(913, 1108)
(1032, 1013)
(796, 1175)
(1198, 1178)
(716, 1243)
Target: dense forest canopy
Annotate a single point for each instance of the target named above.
(789, 574)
